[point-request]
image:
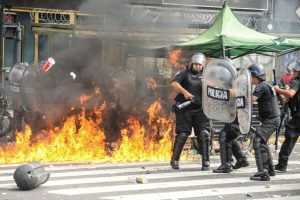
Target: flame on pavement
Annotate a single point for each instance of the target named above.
(81, 138)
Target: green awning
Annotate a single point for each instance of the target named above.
(229, 37)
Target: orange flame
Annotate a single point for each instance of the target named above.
(97, 91)
(82, 138)
(174, 56)
(153, 111)
(84, 98)
(154, 145)
(151, 84)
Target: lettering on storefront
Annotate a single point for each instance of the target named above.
(238, 4)
(203, 18)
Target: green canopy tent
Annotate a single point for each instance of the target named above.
(229, 38)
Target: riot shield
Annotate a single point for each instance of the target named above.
(242, 87)
(218, 99)
(15, 79)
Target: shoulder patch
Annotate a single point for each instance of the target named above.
(258, 88)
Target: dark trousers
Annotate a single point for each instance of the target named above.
(263, 157)
(267, 128)
(188, 118)
(292, 133)
(232, 132)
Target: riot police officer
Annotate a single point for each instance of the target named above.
(292, 130)
(269, 112)
(188, 84)
(229, 146)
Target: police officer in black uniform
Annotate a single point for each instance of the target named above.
(188, 84)
(229, 146)
(292, 130)
(269, 113)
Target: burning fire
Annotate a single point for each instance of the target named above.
(82, 138)
(174, 56)
(151, 84)
(84, 98)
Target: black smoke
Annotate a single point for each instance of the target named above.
(102, 61)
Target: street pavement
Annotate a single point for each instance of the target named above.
(143, 181)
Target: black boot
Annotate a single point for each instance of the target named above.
(241, 160)
(229, 155)
(203, 138)
(280, 168)
(225, 163)
(265, 158)
(271, 171)
(180, 140)
(261, 175)
(271, 168)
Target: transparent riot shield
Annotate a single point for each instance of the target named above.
(218, 98)
(242, 87)
(15, 79)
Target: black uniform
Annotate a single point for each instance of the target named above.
(269, 117)
(292, 130)
(229, 146)
(191, 116)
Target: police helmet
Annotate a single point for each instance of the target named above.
(198, 58)
(296, 67)
(257, 70)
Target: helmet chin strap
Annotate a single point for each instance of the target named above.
(193, 70)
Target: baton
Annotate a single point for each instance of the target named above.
(282, 117)
(212, 133)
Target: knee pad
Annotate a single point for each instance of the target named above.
(263, 149)
(290, 134)
(204, 135)
(222, 136)
(264, 153)
(256, 142)
(182, 136)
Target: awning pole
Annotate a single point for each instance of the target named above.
(223, 48)
(224, 52)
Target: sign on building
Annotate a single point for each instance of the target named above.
(235, 4)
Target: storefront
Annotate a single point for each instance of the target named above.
(129, 30)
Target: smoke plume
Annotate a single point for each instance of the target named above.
(103, 61)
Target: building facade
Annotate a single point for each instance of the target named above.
(128, 29)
